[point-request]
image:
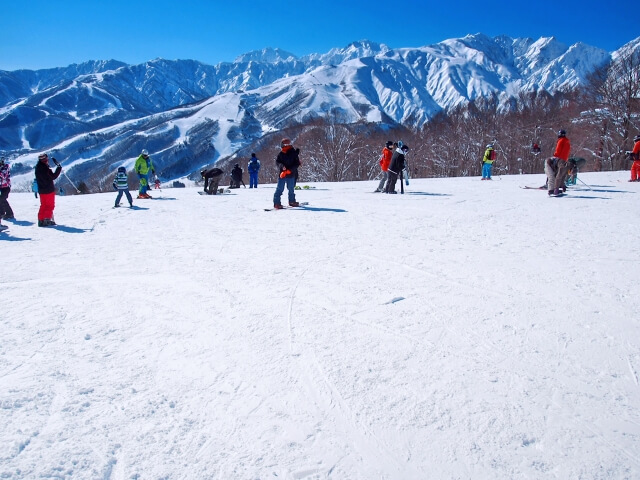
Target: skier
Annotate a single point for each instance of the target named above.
(385, 160)
(395, 167)
(575, 164)
(557, 166)
(487, 162)
(143, 166)
(236, 177)
(288, 161)
(635, 156)
(5, 187)
(47, 190)
(254, 168)
(121, 183)
(212, 178)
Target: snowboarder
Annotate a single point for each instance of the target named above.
(47, 190)
(143, 166)
(395, 167)
(288, 162)
(5, 187)
(557, 166)
(212, 178)
(236, 177)
(635, 157)
(253, 167)
(385, 160)
(487, 162)
(121, 183)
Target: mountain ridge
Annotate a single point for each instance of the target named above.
(71, 108)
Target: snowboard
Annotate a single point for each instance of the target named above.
(220, 191)
(285, 207)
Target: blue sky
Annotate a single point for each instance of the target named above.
(44, 34)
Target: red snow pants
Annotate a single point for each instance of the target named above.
(47, 204)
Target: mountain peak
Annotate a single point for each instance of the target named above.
(266, 55)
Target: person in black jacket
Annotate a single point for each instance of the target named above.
(47, 190)
(288, 161)
(395, 167)
(212, 178)
(236, 177)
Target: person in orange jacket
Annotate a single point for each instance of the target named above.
(557, 166)
(635, 156)
(385, 160)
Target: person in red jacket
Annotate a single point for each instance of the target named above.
(635, 156)
(385, 160)
(557, 166)
(47, 190)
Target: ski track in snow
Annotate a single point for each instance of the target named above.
(472, 330)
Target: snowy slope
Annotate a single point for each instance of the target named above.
(465, 329)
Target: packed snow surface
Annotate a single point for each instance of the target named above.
(463, 330)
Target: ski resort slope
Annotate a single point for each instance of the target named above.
(464, 330)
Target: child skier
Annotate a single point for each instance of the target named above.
(121, 183)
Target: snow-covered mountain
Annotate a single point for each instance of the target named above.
(189, 114)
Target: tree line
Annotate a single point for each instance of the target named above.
(600, 119)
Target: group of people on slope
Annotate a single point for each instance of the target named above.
(212, 176)
(392, 162)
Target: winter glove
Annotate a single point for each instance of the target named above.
(55, 162)
(115, 187)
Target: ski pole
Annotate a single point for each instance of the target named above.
(401, 183)
(585, 184)
(65, 175)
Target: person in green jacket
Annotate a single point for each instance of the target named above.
(143, 166)
(487, 162)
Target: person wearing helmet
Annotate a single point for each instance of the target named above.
(46, 188)
(557, 166)
(121, 184)
(634, 156)
(143, 166)
(487, 162)
(236, 177)
(396, 166)
(385, 160)
(5, 187)
(287, 161)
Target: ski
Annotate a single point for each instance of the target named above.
(534, 188)
(302, 204)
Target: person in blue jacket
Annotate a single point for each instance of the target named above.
(254, 168)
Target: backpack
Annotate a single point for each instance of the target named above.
(492, 154)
